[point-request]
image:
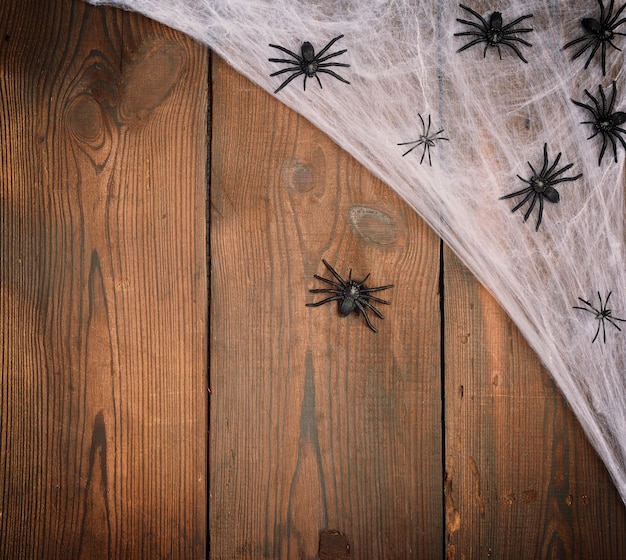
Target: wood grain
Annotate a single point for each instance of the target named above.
(103, 315)
(521, 479)
(318, 425)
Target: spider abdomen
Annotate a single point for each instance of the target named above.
(494, 35)
(593, 26)
(351, 295)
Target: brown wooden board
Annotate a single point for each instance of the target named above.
(324, 434)
(521, 479)
(103, 285)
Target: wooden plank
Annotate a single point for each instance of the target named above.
(521, 479)
(324, 435)
(103, 404)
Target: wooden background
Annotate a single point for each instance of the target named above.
(129, 287)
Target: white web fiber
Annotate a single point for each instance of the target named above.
(497, 114)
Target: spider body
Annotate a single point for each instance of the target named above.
(494, 33)
(541, 186)
(308, 63)
(606, 122)
(425, 139)
(351, 295)
(603, 314)
(599, 33)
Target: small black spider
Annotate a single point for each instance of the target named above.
(493, 33)
(603, 314)
(605, 122)
(426, 139)
(599, 33)
(309, 64)
(350, 295)
(541, 186)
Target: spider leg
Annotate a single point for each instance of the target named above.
(289, 79)
(610, 137)
(619, 137)
(600, 323)
(507, 27)
(325, 64)
(476, 15)
(593, 52)
(579, 40)
(473, 24)
(285, 60)
(377, 289)
(325, 291)
(470, 44)
(588, 108)
(611, 319)
(425, 129)
(284, 70)
(330, 44)
(370, 306)
(532, 204)
(588, 304)
(515, 49)
(564, 179)
(376, 299)
(364, 313)
(318, 79)
(517, 193)
(531, 193)
(589, 44)
(333, 74)
(487, 46)
(328, 281)
(328, 299)
(540, 216)
(334, 273)
(617, 14)
(518, 39)
(599, 109)
(426, 148)
(290, 53)
(333, 55)
(417, 143)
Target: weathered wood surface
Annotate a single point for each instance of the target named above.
(103, 279)
(317, 423)
(439, 437)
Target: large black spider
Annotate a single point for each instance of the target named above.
(541, 185)
(493, 33)
(350, 295)
(309, 64)
(426, 139)
(605, 122)
(599, 32)
(603, 314)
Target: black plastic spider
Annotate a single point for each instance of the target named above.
(603, 314)
(493, 33)
(426, 139)
(309, 64)
(541, 185)
(605, 122)
(599, 32)
(350, 295)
